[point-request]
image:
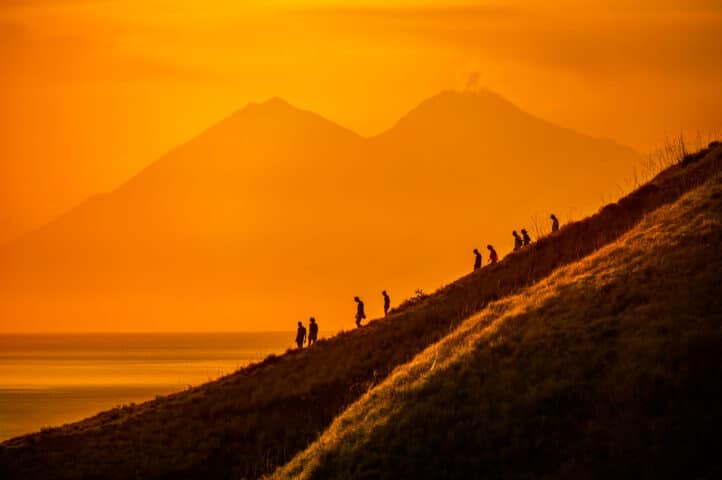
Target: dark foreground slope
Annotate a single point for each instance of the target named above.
(609, 368)
(248, 423)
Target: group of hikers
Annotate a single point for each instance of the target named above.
(312, 333)
(520, 241)
(301, 337)
(493, 257)
(361, 314)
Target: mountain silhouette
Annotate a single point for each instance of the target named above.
(490, 142)
(276, 202)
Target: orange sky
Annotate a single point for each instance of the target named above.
(93, 90)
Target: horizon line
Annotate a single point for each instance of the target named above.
(136, 332)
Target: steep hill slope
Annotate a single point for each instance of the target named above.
(248, 423)
(611, 367)
(274, 201)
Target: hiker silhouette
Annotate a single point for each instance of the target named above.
(493, 257)
(525, 237)
(312, 331)
(387, 302)
(300, 335)
(360, 313)
(517, 241)
(477, 260)
(555, 223)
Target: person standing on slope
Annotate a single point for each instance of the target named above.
(360, 313)
(312, 331)
(387, 302)
(493, 257)
(525, 237)
(300, 335)
(517, 240)
(477, 260)
(555, 223)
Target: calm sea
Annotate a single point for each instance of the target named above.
(49, 380)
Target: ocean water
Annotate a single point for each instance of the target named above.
(49, 380)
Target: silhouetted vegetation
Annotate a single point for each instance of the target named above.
(246, 424)
(419, 296)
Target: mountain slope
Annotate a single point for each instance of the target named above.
(274, 201)
(605, 369)
(508, 155)
(246, 424)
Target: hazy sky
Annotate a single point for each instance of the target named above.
(93, 90)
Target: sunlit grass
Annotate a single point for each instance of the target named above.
(613, 313)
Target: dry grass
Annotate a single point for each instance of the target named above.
(246, 424)
(607, 368)
(672, 151)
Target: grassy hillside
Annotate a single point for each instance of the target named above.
(611, 367)
(248, 423)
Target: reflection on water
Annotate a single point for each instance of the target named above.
(54, 379)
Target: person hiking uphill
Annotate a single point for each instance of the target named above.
(477, 260)
(387, 302)
(493, 257)
(517, 241)
(555, 223)
(312, 331)
(360, 314)
(525, 237)
(300, 335)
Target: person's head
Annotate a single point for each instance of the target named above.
(300, 324)
(515, 233)
(523, 231)
(384, 293)
(312, 320)
(553, 217)
(356, 299)
(490, 247)
(476, 251)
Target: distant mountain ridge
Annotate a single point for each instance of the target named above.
(277, 199)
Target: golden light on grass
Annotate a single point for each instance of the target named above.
(511, 339)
